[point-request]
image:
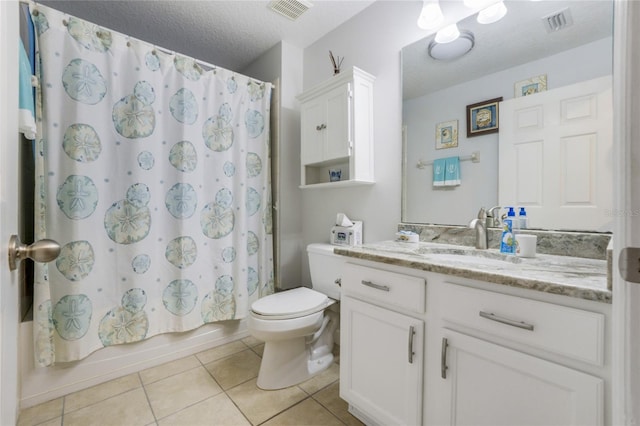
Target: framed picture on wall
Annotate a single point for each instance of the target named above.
(447, 134)
(531, 85)
(482, 118)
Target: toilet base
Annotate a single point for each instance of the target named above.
(288, 362)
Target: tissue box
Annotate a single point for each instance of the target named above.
(347, 235)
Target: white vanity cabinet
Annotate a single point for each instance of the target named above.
(382, 341)
(492, 354)
(488, 373)
(336, 125)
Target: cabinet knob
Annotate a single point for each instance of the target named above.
(321, 127)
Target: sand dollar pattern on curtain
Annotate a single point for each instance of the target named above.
(153, 174)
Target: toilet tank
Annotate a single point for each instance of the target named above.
(325, 268)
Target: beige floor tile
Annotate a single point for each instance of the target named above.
(252, 341)
(41, 413)
(130, 408)
(222, 351)
(215, 411)
(154, 374)
(100, 392)
(329, 397)
(307, 413)
(321, 380)
(259, 405)
(53, 422)
(176, 392)
(235, 369)
(258, 349)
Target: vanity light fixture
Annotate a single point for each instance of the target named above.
(492, 14)
(454, 49)
(431, 16)
(448, 34)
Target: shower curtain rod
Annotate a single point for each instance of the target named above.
(162, 49)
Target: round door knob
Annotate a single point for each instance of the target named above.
(40, 251)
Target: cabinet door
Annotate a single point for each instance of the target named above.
(377, 374)
(312, 117)
(338, 132)
(487, 384)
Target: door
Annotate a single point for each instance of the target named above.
(555, 156)
(483, 383)
(9, 290)
(626, 300)
(381, 362)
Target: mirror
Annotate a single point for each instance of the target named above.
(507, 52)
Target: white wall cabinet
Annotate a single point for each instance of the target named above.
(492, 355)
(336, 126)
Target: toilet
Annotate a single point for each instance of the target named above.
(297, 325)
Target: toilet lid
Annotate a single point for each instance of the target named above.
(302, 301)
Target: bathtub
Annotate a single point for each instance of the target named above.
(41, 384)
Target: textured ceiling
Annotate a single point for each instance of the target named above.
(518, 38)
(229, 34)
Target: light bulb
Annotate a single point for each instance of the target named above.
(431, 15)
(447, 34)
(492, 14)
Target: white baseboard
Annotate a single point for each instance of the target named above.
(41, 384)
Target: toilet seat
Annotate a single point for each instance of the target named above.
(288, 304)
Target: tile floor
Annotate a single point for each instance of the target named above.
(214, 387)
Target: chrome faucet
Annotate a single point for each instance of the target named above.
(480, 225)
(493, 217)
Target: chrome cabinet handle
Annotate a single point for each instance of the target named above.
(376, 286)
(412, 332)
(443, 358)
(514, 323)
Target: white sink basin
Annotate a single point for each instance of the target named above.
(468, 255)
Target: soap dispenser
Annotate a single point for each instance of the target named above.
(507, 242)
(522, 218)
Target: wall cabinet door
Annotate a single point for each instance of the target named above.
(325, 126)
(312, 114)
(381, 366)
(487, 384)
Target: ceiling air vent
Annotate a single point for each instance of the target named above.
(291, 9)
(558, 20)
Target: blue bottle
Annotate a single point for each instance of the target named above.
(507, 242)
(522, 218)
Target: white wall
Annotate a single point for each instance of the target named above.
(458, 205)
(284, 62)
(372, 41)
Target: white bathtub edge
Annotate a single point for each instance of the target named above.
(40, 385)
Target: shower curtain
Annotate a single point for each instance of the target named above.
(153, 175)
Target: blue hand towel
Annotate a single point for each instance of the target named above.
(26, 112)
(439, 167)
(452, 171)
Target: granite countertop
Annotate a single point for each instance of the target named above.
(564, 275)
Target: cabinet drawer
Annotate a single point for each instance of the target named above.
(565, 331)
(387, 288)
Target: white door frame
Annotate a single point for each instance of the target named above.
(626, 296)
(9, 289)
